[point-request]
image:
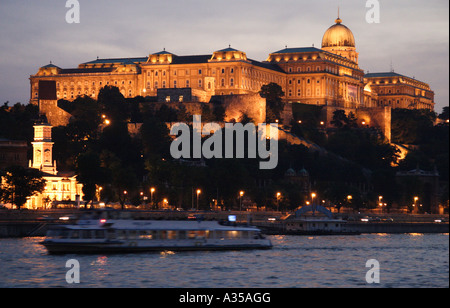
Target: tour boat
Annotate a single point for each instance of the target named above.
(125, 235)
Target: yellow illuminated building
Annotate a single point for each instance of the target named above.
(327, 76)
(60, 188)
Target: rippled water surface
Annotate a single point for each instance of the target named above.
(406, 260)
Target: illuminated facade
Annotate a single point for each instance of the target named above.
(60, 187)
(329, 76)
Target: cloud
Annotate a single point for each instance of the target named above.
(413, 33)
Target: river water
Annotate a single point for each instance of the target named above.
(405, 260)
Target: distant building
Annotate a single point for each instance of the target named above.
(327, 76)
(13, 153)
(61, 187)
(399, 91)
(423, 185)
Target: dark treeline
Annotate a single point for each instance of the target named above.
(357, 161)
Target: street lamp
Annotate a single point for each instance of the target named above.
(278, 200)
(198, 193)
(415, 202)
(241, 194)
(152, 190)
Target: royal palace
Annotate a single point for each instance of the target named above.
(327, 76)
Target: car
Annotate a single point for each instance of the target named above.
(389, 219)
(366, 219)
(68, 217)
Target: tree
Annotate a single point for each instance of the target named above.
(20, 183)
(112, 104)
(90, 174)
(341, 120)
(408, 126)
(445, 114)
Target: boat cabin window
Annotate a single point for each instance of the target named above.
(99, 234)
(132, 234)
(182, 235)
(111, 234)
(85, 234)
(75, 234)
(197, 234)
(233, 234)
(172, 235)
(121, 234)
(145, 235)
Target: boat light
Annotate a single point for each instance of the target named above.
(102, 221)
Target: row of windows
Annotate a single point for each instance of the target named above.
(188, 72)
(300, 69)
(149, 234)
(245, 71)
(100, 83)
(308, 92)
(177, 83)
(93, 93)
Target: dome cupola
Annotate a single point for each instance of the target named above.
(339, 39)
(338, 35)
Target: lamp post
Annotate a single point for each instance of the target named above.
(278, 200)
(152, 190)
(198, 193)
(415, 203)
(241, 194)
(124, 198)
(313, 195)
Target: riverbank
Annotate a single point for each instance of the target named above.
(26, 223)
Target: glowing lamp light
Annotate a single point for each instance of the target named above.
(102, 221)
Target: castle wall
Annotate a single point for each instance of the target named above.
(253, 105)
(55, 115)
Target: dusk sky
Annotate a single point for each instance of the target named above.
(413, 35)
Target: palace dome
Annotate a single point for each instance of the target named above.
(338, 35)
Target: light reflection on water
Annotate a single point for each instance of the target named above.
(406, 260)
